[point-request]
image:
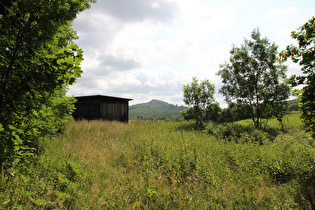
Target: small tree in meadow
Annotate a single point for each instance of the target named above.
(200, 96)
(252, 78)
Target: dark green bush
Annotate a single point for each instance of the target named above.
(238, 133)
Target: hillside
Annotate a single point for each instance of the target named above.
(293, 105)
(155, 110)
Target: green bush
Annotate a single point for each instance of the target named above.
(237, 133)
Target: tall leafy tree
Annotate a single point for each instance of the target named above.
(200, 96)
(252, 78)
(38, 61)
(304, 55)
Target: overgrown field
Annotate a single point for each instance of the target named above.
(167, 165)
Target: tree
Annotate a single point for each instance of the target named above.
(304, 54)
(38, 61)
(252, 79)
(213, 112)
(200, 96)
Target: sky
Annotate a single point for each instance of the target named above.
(148, 49)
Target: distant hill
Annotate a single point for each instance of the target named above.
(155, 110)
(161, 110)
(293, 105)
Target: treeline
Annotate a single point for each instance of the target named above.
(254, 83)
(232, 113)
(152, 111)
(154, 114)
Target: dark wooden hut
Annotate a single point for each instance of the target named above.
(101, 107)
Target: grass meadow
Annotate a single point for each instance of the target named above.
(167, 165)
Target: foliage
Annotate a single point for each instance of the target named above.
(233, 113)
(38, 62)
(200, 97)
(212, 113)
(293, 105)
(160, 165)
(303, 54)
(188, 114)
(238, 133)
(154, 114)
(252, 79)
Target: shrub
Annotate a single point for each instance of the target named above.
(237, 132)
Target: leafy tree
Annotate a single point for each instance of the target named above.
(188, 114)
(200, 97)
(304, 54)
(252, 79)
(239, 112)
(226, 116)
(213, 112)
(38, 61)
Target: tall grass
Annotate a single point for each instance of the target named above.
(163, 165)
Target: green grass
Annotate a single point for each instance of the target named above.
(291, 121)
(164, 165)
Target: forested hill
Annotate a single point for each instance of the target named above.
(157, 104)
(293, 105)
(155, 110)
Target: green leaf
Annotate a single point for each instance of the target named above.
(6, 202)
(39, 202)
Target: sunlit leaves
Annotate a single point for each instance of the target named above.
(38, 62)
(252, 78)
(200, 96)
(304, 54)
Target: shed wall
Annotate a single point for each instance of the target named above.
(98, 109)
(114, 111)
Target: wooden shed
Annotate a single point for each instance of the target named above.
(102, 107)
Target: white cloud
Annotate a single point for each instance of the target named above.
(196, 21)
(276, 13)
(145, 49)
(177, 56)
(138, 10)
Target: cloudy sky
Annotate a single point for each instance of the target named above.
(147, 49)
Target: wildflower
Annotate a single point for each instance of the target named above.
(136, 205)
(186, 197)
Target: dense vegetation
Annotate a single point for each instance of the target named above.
(39, 60)
(167, 165)
(303, 54)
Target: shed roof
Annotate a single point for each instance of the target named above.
(102, 97)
